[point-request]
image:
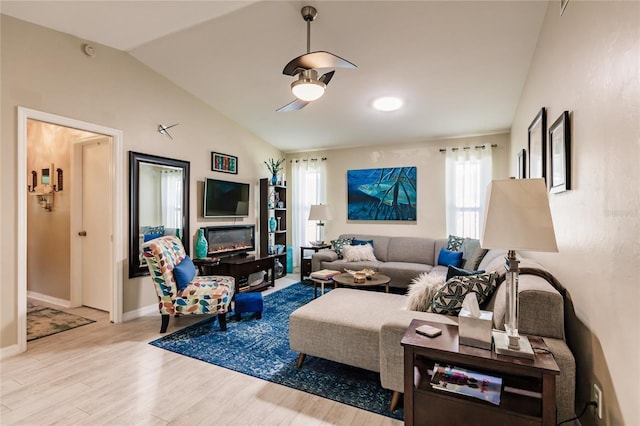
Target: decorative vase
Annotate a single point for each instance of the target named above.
(274, 179)
(289, 260)
(279, 268)
(202, 247)
(272, 224)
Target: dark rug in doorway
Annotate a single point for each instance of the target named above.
(260, 348)
(43, 321)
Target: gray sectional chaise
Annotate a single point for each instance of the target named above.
(364, 328)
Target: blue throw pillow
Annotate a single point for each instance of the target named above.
(149, 237)
(361, 242)
(448, 257)
(459, 272)
(184, 272)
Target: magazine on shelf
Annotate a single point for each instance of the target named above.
(467, 382)
(324, 274)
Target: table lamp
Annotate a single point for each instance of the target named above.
(319, 212)
(517, 217)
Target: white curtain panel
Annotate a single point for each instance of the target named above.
(171, 198)
(468, 172)
(308, 187)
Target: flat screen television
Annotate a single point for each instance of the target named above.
(225, 199)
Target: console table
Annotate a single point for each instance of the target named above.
(240, 267)
(528, 394)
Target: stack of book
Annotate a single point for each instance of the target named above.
(325, 274)
(467, 382)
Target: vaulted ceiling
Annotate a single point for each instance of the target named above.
(459, 66)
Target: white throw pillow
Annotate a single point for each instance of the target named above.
(421, 291)
(358, 253)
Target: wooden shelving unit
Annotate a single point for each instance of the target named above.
(270, 197)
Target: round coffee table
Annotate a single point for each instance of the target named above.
(377, 280)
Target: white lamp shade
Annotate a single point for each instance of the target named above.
(319, 212)
(517, 216)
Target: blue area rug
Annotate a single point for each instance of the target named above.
(260, 348)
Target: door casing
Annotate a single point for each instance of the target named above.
(117, 262)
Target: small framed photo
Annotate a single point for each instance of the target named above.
(522, 164)
(537, 146)
(560, 154)
(224, 163)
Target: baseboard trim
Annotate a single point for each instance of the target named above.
(9, 351)
(48, 299)
(140, 312)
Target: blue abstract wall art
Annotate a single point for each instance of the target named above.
(382, 194)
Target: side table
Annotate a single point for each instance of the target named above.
(528, 394)
(206, 265)
(305, 261)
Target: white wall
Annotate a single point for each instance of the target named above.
(588, 62)
(46, 70)
(428, 159)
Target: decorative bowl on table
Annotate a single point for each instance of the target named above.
(365, 273)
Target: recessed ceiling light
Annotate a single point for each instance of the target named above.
(387, 103)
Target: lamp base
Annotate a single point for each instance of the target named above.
(501, 346)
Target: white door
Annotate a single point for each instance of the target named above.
(96, 224)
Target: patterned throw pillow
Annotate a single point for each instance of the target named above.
(455, 243)
(339, 243)
(448, 300)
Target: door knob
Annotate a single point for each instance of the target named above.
(82, 233)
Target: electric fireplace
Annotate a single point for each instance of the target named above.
(230, 240)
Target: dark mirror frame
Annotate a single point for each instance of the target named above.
(135, 158)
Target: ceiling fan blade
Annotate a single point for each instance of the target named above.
(326, 78)
(293, 106)
(315, 60)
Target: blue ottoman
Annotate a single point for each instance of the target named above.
(248, 302)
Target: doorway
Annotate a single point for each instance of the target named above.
(112, 256)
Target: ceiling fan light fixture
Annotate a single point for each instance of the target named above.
(308, 87)
(387, 103)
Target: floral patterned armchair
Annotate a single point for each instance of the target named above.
(198, 295)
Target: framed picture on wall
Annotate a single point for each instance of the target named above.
(560, 154)
(537, 145)
(387, 194)
(522, 164)
(224, 163)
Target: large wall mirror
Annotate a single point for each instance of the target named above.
(158, 204)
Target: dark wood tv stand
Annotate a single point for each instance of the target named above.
(240, 267)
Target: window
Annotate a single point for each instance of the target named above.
(308, 185)
(468, 172)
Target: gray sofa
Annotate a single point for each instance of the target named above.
(400, 258)
(364, 328)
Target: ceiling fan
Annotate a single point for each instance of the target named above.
(308, 87)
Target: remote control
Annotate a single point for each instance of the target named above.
(428, 330)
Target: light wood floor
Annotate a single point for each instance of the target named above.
(108, 374)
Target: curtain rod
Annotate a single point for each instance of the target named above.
(309, 159)
(469, 147)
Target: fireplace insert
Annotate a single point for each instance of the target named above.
(230, 240)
